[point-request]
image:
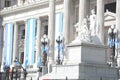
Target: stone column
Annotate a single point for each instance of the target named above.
(38, 41)
(82, 11)
(25, 40)
(15, 42)
(19, 2)
(51, 30)
(51, 33)
(66, 23)
(1, 43)
(2, 3)
(118, 26)
(3, 28)
(118, 16)
(100, 20)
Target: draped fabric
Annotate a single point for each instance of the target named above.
(30, 42)
(112, 42)
(8, 43)
(39, 61)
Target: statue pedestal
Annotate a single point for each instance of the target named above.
(86, 53)
(86, 61)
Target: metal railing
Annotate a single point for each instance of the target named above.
(11, 75)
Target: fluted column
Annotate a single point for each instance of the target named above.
(51, 30)
(38, 41)
(15, 42)
(100, 20)
(66, 23)
(25, 40)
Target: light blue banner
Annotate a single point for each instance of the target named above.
(30, 43)
(39, 61)
(8, 44)
(115, 42)
(58, 32)
(58, 24)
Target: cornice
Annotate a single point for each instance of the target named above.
(24, 7)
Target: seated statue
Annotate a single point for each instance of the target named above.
(83, 32)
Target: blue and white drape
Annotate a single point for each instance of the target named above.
(30, 42)
(58, 31)
(39, 60)
(111, 43)
(115, 42)
(8, 43)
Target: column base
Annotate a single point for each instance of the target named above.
(65, 62)
(50, 63)
(44, 70)
(1, 68)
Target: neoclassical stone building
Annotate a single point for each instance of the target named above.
(23, 23)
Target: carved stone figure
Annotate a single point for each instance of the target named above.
(93, 23)
(83, 32)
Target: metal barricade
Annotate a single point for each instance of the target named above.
(4, 76)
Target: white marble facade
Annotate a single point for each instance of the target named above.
(73, 11)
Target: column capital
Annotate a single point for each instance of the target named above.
(15, 23)
(25, 20)
(37, 18)
(3, 24)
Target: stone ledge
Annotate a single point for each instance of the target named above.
(82, 71)
(24, 7)
(88, 44)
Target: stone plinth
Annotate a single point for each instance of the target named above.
(86, 61)
(81, 72)
(86, 53)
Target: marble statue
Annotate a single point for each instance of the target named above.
(83, 32)
(93, 23)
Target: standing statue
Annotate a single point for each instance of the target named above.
(93, 23)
